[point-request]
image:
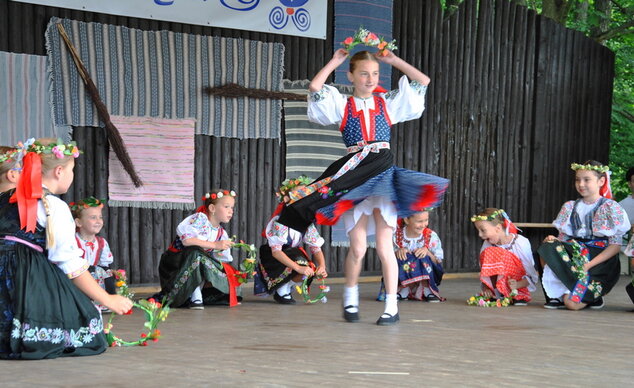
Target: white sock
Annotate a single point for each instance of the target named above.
(284, 289)
(391, 304)
(351, 298)
(197, 296)
(427, 291)
(404, 292)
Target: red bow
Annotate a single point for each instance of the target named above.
(28, 191)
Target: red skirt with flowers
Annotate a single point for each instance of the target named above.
(496, 261)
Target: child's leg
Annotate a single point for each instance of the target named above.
(352, 265)
(389, 265)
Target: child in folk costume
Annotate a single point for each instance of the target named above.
(10, 167)
(195, 270)
(506, 258)
(581, 263)
(46, 290)
(364, 188)
(89, 221)
(420, 256)
(283, 260)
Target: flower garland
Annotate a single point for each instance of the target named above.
(304, 290)
(487, 301)
(155, 312)
(247, 266)
(370, 39)
(86, 203)
(578, 259)
(219, 194)
(58, 148)
(289, 184)
(601, 169)
(477, 217)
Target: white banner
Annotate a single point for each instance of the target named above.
(289, 17)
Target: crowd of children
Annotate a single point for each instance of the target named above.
(43, 243)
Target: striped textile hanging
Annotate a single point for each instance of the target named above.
(163, 74)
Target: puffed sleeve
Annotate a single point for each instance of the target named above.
(313, 239)
(525, 253)
(407, 102)
(194, 226)
(326, 106)
(435, 246)
(106, 255)
(226, 254)
(276, 234)
(610, 220)
(65, 254)
(562, 222)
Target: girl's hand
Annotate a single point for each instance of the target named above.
(401, 253)
(550, 239)
(587, 266)
(385, 56)
(306, 271)
(321, 271)
(421, 252)
(222, 245)
(118, 304)
(340, 56)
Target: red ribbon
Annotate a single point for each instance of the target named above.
(28, 191)
(232, 277)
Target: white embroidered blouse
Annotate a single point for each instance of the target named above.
(198, 226)
(278, 235)
(327, 106)
(609, 221)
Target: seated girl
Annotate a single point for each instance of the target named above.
(506, 258)
(195, 270)
(283, 260)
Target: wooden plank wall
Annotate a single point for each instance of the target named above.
(514, 100)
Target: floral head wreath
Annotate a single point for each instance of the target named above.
(606, 189)
(219, 194)
(57, 148)
(290, 184)
(601, 169)
(86, 203)
(14, 155)
(509, 226)
(29, 188)
(370, 39)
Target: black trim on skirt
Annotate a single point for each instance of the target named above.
(301, 214)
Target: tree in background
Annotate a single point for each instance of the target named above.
(610, 23)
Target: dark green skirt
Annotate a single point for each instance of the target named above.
(44, 315)
(606, 273)
(181, 272)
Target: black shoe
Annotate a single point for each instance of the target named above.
(196, 306)
(554, 304)
(286, 299)
(431, 298)
(387, 321)
(518, 302)
(597, 304)
(350, 317)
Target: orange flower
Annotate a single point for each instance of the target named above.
(382, 45)
(348, 41)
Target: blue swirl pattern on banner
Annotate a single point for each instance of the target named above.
(247, 5)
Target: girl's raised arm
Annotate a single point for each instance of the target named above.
(410, 71)
(318, 81)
